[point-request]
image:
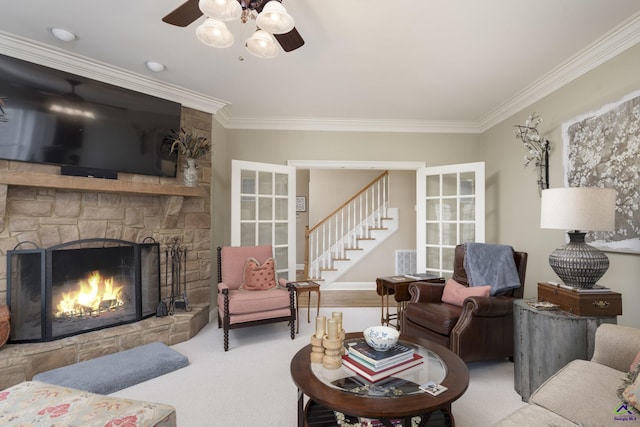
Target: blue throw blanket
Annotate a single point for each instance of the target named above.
(489, 264)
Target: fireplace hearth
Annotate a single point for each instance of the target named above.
(80, 286)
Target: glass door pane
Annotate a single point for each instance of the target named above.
(263, 210)
(450, 211)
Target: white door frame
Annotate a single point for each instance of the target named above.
(354, 164)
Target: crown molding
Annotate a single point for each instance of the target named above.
(355, 164)
(349, 125)
(41, 54)
(616, 41)
(624, 36)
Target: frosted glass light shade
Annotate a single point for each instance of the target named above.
(275, 19)
(262, 45)
(214, 33)
(578, 208)
(222, 10)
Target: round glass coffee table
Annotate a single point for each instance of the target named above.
(393, 401)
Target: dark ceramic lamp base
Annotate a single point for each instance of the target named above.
(577, 263)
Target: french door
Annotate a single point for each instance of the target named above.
(449, 211)
(263, 210)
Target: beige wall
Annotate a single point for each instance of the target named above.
(512, 210)
(513, 204)
(280, 146)
(302, 218)
(220, 194)
(330, 188)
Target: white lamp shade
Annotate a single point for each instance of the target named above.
(262, 45)
(275, 19)
(578, 208)
(222, 10)
(214, 33)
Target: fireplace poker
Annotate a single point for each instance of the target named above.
(162, 309)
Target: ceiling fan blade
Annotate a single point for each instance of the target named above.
(184, 14)
(290, 41)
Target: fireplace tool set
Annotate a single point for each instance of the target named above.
(176, 261)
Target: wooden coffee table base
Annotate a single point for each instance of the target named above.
(317, 415)
(324, 398)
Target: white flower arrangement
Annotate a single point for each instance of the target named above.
(537, 148)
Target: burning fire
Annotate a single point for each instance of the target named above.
(95, 295)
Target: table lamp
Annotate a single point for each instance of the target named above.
(579, 209)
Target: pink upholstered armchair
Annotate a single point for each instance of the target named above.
(249, 292)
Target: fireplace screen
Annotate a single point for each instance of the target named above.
(81, 286)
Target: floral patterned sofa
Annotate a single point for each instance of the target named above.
(37, 403)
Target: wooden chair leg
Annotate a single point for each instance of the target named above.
(293, 310)
(227, 321)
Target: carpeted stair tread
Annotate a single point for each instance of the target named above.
(113, 372)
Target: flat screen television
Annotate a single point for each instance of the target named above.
(50, 116)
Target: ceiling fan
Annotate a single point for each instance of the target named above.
(190, 11)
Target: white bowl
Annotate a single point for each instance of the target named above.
(381, 338)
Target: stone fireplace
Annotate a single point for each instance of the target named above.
(81, 286)
(40, 206)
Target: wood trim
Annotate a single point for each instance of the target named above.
(97, 184)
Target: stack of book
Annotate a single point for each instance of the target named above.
(377, 365)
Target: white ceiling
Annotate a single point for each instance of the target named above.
(427, 65)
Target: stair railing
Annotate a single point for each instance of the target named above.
(340, 231)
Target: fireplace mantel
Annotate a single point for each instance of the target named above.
(97, 184)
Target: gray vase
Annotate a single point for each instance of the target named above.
(577, 263)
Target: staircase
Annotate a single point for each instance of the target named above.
(350, 233)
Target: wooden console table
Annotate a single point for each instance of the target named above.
(545, 341)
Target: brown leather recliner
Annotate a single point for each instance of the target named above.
(482, 329)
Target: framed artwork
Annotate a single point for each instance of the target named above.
(602, 149)
(301, 204)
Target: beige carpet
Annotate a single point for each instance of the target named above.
(250, 385)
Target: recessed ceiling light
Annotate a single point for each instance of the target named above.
(156, 67)
(62, 34)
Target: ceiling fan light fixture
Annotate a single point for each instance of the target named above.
(214, 33)
(262, 45)
(275, 19)
(222, 10)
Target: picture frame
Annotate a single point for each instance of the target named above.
(601, 150)
(301, 203)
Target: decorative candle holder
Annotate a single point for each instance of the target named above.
(317, 350)
(332, 358)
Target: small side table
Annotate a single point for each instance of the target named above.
(398, 286)
(545, 341)
(308, 287)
